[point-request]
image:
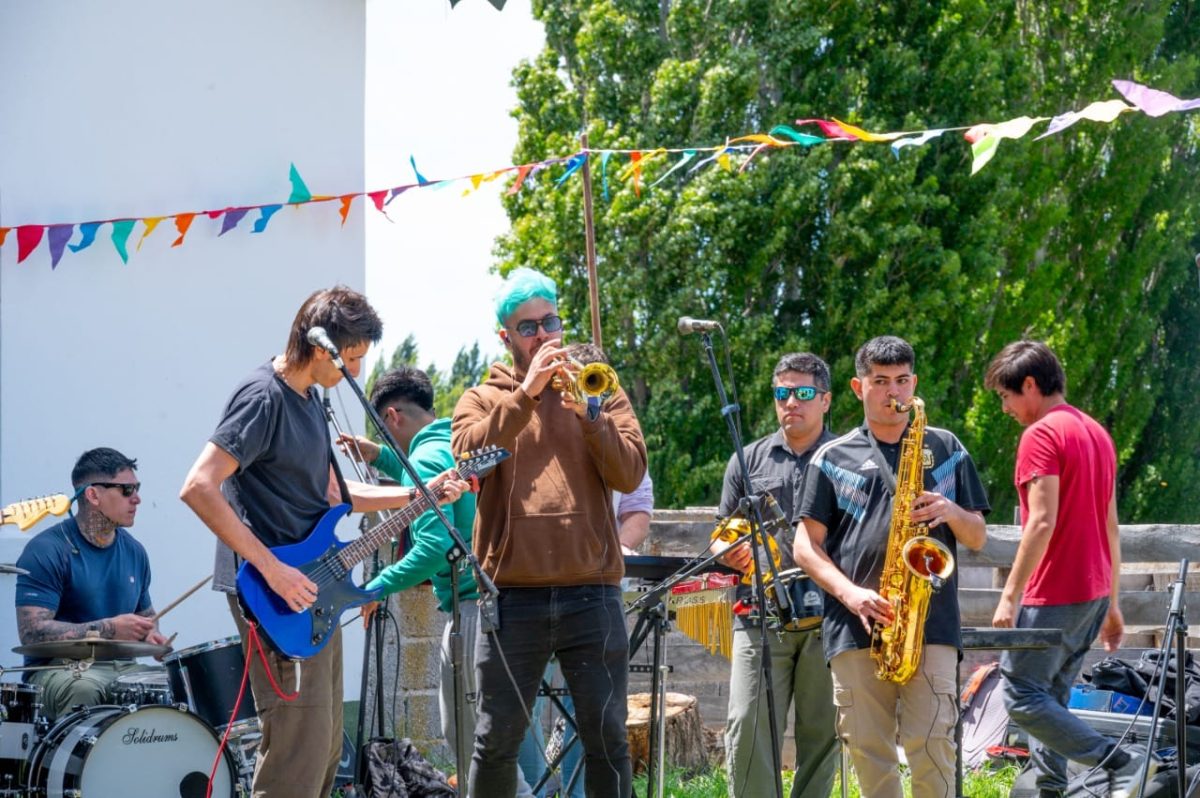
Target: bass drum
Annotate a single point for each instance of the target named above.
(132, 752)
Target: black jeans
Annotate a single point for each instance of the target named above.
(585, 628)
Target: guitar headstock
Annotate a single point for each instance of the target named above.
(479, 462)
(27, 513)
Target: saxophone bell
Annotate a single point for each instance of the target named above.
(928, 558)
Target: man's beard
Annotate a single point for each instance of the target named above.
(520, 361)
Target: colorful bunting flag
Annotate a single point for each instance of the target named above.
(300, 192)
(1153, 102)
(803, 139)
(344, 210)
(183, 221)
(983, 138)
(57, 237)
(120, 235)
(28, 237)
(1096, 112)
(232, 217)
(150, 223)
(264, 217)
(923, 137)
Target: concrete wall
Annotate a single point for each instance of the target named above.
(136, 108)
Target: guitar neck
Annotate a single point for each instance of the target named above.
(357, 551)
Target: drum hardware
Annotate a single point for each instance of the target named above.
(90, 648)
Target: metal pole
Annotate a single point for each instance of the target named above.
(589, 235)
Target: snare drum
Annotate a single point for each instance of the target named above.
(806, 599)
(207, 678)
(141, 688)
(132, 752)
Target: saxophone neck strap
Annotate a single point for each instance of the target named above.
(885, 468)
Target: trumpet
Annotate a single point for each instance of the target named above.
(595, 381)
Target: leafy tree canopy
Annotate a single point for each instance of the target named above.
(1084, 239)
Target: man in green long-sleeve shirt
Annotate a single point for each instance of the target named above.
(403, 397)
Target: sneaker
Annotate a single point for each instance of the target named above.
(1126, 781)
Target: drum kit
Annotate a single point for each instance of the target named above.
(159, 736)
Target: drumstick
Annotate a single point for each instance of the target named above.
(177, 601)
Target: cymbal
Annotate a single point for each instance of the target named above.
(6, 568)
(89, 648)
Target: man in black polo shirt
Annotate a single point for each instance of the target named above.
(846, 511)
(801, 391)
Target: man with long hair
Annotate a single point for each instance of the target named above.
(264, 479)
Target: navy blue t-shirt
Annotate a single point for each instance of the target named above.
(82, 582)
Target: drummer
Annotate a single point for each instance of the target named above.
(88, 577)
(800, 391)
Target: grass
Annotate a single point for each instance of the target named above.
(985, 783)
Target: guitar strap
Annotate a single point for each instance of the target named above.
(337, 470)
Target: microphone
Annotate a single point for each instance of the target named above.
(319, 338)
(688, 325)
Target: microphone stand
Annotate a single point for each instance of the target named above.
(653, 617)
(1181, 652)
(489, 618)
(374, 634)
(1177, 627)
(753, 505)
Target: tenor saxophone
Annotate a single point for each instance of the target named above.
(917, 565)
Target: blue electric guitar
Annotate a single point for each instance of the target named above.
(328, 562)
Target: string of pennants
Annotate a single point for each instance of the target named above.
(983, 138)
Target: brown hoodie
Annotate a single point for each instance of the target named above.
(544, 516)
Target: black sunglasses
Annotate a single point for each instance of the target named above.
(529, 327)
(127, 488)
(803, 393)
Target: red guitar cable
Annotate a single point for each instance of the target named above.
(255, 645)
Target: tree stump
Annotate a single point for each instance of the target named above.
(683, 734)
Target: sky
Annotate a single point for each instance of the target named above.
(438, 90)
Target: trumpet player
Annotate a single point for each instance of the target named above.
(546, 534)
(847, 511)
(801, 397)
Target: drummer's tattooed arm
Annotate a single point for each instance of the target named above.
(37, 624)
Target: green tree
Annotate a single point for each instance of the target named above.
(1084, 239)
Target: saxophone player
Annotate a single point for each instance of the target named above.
(847, 515)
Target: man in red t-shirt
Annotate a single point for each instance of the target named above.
(1067, 568)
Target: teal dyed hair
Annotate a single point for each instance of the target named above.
(522, 285)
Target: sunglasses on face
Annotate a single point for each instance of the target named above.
(127, 488)
(803, 393)
(529, 327)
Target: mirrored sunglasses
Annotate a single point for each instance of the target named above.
(803, 393)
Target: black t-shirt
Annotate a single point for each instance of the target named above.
(281, 442)
(777, 470)
(844, 491)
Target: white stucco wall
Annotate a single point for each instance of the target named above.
(136, 108)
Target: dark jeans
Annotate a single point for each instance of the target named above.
(1037, 687)
(585, 628)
